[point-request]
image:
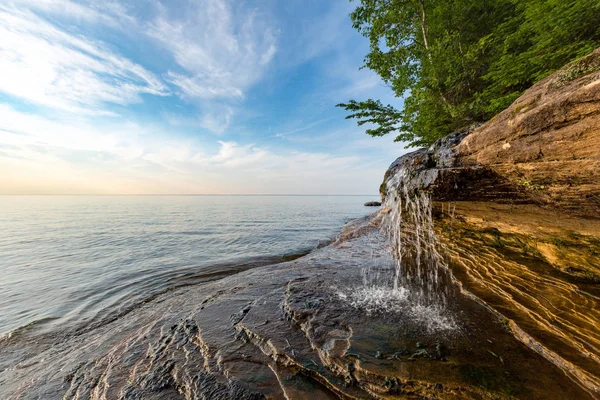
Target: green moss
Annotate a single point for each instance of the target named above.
(505, 322)
(383, 186)
(530, 185)
(497, 242)
(583, 275)
(559, 243)
(382, 189)
(522, 107)
(526, 247)
(577, 68)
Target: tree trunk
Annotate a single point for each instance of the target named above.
(423, 18)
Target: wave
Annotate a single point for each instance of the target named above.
(129, 294)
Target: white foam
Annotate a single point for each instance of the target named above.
(436, 319)
(378, 299)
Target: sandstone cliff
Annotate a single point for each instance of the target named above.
(517, 210)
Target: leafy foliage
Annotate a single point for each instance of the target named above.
(459, 62)
(371, 111)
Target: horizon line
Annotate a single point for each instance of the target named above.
(177, 194)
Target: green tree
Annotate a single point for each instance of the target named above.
(459, 62)
(542, 37)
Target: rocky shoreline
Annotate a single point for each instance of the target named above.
(320, 326)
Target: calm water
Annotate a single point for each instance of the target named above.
(80, 260)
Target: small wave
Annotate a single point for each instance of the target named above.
(5, 337)
(106, 306)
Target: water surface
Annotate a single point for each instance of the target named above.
(80, 260)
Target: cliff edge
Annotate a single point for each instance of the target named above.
(516, 205)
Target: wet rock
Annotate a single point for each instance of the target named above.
(440, 353)
(373, 204)
(419, 353)
(516, 204)
(171, 348)
(398, 354)
(238, 316)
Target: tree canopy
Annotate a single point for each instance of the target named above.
(460, 62)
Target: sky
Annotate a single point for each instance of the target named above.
(185, 97)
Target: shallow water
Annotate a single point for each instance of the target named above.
(81, 260)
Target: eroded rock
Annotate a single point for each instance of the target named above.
(213, 341)
(516, 205)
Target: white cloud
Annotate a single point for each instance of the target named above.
(210, 53)
(45, 65)
(26, 131)
(43, 155)
(105, 12)
(214, 117)
(222, 50)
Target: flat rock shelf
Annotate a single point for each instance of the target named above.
(318, 327)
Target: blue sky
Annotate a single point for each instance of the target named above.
(182, 97)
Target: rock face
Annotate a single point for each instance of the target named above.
(543, 150)
(516, 204)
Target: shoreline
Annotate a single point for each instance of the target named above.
(218, 271)
(283, 330)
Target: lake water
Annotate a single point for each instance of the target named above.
(83, 260)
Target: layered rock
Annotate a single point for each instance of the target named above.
(517, 210)
(543, 150)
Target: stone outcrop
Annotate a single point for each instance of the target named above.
(543, 150)
(517, 210)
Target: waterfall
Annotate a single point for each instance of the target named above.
(408, 226)
(412, 279)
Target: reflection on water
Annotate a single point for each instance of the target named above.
(81, 259)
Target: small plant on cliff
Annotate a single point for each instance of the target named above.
(459, 62)
(530, 185)
(578, 68)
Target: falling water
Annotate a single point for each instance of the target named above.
(408, 225)
(413, 279)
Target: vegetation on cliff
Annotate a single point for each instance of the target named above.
(460, 62)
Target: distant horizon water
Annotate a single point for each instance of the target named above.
(181, 194)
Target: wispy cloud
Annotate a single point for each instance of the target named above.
(104, 12)
(131, 158)
(221, 50)
(43, 64)
(247, 71)
(303, 128)
(215, 117)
